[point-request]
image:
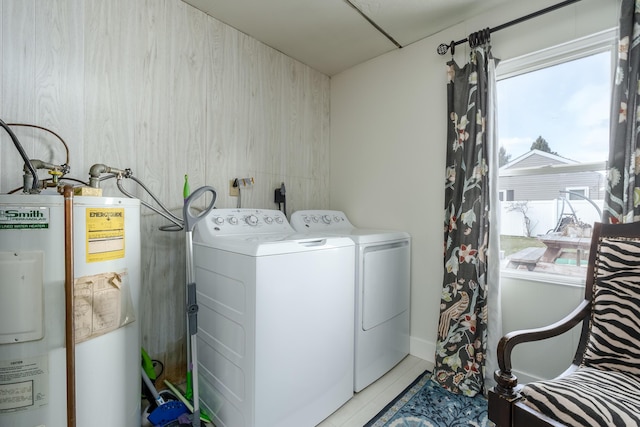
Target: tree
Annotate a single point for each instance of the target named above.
(503, 157)
(541, 144)
(523, 208)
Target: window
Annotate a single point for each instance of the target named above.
(553, 118)
(505, 195)
(577, 193)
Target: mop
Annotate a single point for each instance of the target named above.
(190, 221)
(167, 413)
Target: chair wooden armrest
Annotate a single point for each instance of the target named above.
(503, 376)
(502, 396)
(611, 290)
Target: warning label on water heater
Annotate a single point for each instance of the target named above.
(105, 234)
(23, 384)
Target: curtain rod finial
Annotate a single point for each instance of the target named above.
(443, 48)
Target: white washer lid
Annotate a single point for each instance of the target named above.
(275, 244)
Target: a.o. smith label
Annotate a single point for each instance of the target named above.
(17, 218)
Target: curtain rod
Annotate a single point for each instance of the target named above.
(443, 48)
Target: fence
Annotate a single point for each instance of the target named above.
(539, 217)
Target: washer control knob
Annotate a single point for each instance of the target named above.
(314, 218)
(337, 218)
(232, 220)
(252, 220)
(279, 220)
(268, 220)
(326, 219)
(218, 220)
(306, 219)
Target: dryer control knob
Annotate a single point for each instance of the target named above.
(279, 220)
(232, 220)
(326, 219)
(314, 218)
(252, 220)
(306, 219)
(268, 220)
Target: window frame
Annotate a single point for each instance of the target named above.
(586, 46)
(506, 195)
(584, 189)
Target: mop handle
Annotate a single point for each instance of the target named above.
(190, 220)
(159, 400)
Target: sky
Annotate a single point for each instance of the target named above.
(566, 104)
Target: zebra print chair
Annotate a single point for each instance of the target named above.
(602, 386)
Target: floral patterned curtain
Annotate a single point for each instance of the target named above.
(622, 198)
(462, 330)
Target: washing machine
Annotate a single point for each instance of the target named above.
(382, 286)
(275, 320)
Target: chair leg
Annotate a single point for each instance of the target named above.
(501, 408)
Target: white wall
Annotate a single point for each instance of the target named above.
(530, 304)
(388, 136)
(159, 87)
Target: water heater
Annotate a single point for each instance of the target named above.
(106, 240)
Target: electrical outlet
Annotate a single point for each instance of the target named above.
(278, 197)
(233, 191)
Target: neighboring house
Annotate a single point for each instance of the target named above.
(547, 186)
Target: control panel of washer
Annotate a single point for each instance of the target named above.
(243, 221)
(318, 220)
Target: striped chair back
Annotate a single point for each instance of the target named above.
(613, 343)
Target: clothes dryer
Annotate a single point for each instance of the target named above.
(275, 320)
(382, 285)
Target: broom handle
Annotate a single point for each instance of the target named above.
(156, 396)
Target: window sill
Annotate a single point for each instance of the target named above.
(543, 278)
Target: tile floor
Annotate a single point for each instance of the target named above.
(367, 403)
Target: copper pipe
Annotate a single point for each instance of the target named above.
(70, 338)
(66, 147)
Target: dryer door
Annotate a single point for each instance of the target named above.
(384, 282)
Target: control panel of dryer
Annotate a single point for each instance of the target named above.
(221, 222)
(320, 220)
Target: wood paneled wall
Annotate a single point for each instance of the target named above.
(163, 89)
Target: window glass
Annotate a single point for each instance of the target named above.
(554, 138)
(578, 193)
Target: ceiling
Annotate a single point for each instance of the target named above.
(331, 35)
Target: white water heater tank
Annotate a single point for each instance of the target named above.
(106, 236)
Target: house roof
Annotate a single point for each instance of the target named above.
(540, 158)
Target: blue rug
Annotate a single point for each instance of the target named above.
(425, 404)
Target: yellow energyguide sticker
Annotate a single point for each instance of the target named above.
(105, 234)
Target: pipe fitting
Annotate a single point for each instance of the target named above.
(96, 170)
(55, 170)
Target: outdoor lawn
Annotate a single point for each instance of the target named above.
(513, 244)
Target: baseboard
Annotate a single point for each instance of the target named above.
(423, 349)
